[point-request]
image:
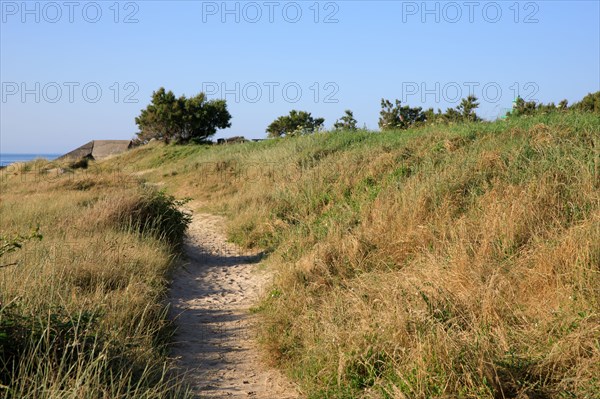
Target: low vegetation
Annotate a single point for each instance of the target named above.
(441, 261)
(458, 259)
(86, 255)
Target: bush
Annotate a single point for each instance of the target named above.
(158, 214)
(590, 103)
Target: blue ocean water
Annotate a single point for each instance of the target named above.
(7, 159)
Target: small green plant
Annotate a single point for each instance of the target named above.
(12, 244)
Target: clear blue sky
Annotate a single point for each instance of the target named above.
(55, 56)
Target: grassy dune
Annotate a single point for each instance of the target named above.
(82, 312)
(454, 261)
(459, 261)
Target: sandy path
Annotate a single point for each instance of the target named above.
(211, 296)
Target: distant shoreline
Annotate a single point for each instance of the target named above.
(7, 159)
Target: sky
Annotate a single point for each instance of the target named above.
(76, 71)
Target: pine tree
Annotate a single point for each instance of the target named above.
(346, 122)
(467, 109)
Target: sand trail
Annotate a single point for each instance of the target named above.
(211, 295)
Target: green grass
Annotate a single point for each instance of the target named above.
(445, 261)
(441, 261)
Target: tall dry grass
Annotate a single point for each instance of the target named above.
(442, 262)
(83, 311)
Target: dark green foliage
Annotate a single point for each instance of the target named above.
(54, 335)
(452, 115)
(589, 103)
(346, 122)
(398, 117)
(563, 105)
(160, 214)
(181, 119)
(467, 109)
(522, 107)
(433, 117)
(297, 122)
(12, 244)
(464, 112)
(82, 163)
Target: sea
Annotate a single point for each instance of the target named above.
(7, 159)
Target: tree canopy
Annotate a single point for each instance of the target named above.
(181, 119)
(589, 103)
(526, 108)
(467, 108)
(346, 122)
(297, 122)
(464, 112)
(398, 116)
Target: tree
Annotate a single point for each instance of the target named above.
(522, 107)
(589, 103)
(181, 119)
(464, 112)
(452, 115)
(563, 105)
(346, 122)
(399, 117)
(467, 109)
(433, 117)
(297, 122)
(159, 119)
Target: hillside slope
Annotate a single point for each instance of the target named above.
(456, 261)
(82, 310)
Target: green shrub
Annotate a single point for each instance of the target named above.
(159, 214)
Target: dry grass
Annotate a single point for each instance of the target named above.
(435, 263)
(443, 262)
(82, 312)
